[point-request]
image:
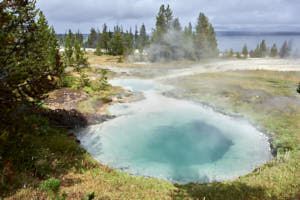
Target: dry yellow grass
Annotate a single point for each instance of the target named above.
(108, 60)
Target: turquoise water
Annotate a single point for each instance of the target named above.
(175, 140)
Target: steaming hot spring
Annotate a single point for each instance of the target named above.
(174, 140)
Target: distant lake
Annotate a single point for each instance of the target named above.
(236, 40)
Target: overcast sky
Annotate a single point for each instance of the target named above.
(256, 15)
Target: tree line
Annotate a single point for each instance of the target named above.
(262, 51)
(116, 42)
(167, 41)
(170, 41)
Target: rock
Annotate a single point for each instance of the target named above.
(65, 98)
(97, 118)
(64, 118)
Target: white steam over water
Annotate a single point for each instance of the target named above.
(232, 65)
(174, 140)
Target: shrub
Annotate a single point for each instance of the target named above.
(39, 124)
(52, 187)
(103, 79)
(120, 59)
(90, 196)
(66, 80)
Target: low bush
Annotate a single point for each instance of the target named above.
(66, 80)
(52, 187)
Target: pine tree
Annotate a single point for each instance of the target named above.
(98, 50)
(257, 52)
(213, 46)
(284, 50)
(131, 36)
(263, 49)
(205, 40)
(176, 26)
(53, 52)
(161, 25)
(168, 17)
(188, 41)
(68, 51)
(103, 83)
(136, 38)
(116, 46)
(79, 37)
(274, 51)
(92, 39)
(29, 61)
(46, 33)
(104, 40)
(202, 25)
(71, 36)
(80, 61)
(143, 38)
(128, 42)
(74, 55)
(170, 42)
(231, 53)
(188, 31)
(245, 51)
(200, 39)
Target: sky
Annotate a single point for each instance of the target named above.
(225, 15)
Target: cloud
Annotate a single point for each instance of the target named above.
(228, 14)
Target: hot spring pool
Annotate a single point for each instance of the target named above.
(175, 140)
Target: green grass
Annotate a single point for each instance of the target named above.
(93, 104)
(98, 99)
